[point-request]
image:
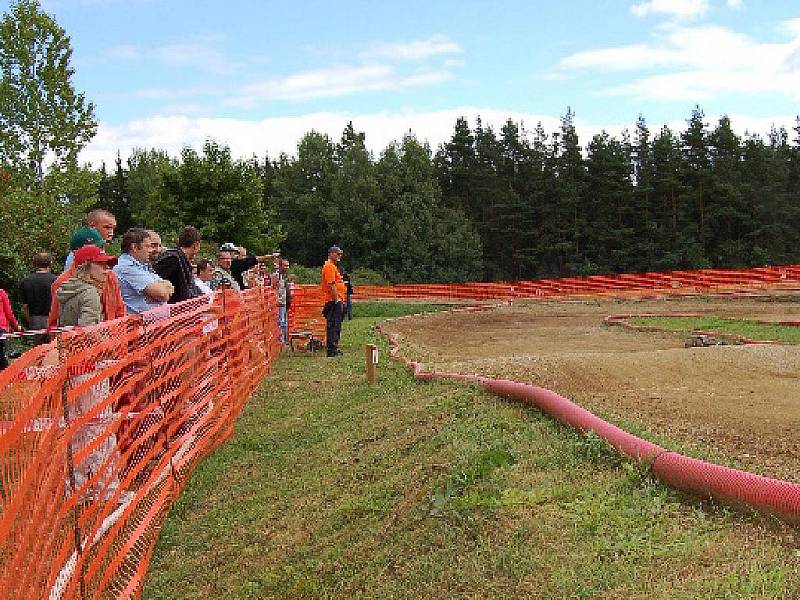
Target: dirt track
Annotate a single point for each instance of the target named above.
(741, 401)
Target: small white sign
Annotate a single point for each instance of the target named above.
(374, 356)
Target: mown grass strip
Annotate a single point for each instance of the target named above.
(726, 326)
(332, 488)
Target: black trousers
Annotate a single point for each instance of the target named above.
(334, 314)
(3, 359)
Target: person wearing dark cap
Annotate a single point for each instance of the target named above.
(110, 296)
(85, 236)
(101, 221)
(333, 291)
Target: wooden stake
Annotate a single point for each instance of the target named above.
(372, 361)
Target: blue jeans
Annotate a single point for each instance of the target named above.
(284, 323)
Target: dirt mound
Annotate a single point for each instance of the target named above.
(742, 401)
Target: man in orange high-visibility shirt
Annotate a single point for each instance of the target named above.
(333, 290)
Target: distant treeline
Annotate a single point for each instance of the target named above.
(512, 204)
(485, 205)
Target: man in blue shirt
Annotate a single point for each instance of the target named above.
(141, 288)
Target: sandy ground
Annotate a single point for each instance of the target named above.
(743, 402)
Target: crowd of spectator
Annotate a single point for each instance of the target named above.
(95, 286)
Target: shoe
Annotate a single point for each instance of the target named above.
(334, 355)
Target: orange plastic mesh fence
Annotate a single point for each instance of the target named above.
(625, 285)
(305, 313)
(100, 430)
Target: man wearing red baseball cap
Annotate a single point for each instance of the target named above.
(79, 297)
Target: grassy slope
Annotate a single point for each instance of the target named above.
(741, 327)
(331, 488)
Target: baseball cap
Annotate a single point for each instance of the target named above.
(335, 249)
(93, 254)
(86, 236)
(229, 247)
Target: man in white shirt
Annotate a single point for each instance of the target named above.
(205, 273)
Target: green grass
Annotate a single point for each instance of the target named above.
(385, 310)
(737, 327)
(332, 488)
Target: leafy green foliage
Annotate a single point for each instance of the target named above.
(34, 220)
(220, 196)
(43, 119)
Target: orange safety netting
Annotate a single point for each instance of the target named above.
(100, 430)
(702, 281)
(305, 313)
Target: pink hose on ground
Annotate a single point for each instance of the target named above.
(772, 496)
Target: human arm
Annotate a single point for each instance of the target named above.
(6, 307)
(24, 292)
(91, 309)
(240, 265)
(159, 291)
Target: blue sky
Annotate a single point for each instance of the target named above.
(258, 74)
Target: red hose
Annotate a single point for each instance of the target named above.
(732, 486)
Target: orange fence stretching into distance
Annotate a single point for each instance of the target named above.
(101, 428)
(673, 283)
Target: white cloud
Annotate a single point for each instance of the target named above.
(792, 26)
(201, 55)
(335, 81)
(416, 50)
(736, 4)
(282, 134)
(125, 52)
(685, 9)
(701, 62)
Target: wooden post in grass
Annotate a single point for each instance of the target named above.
(372, 361)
